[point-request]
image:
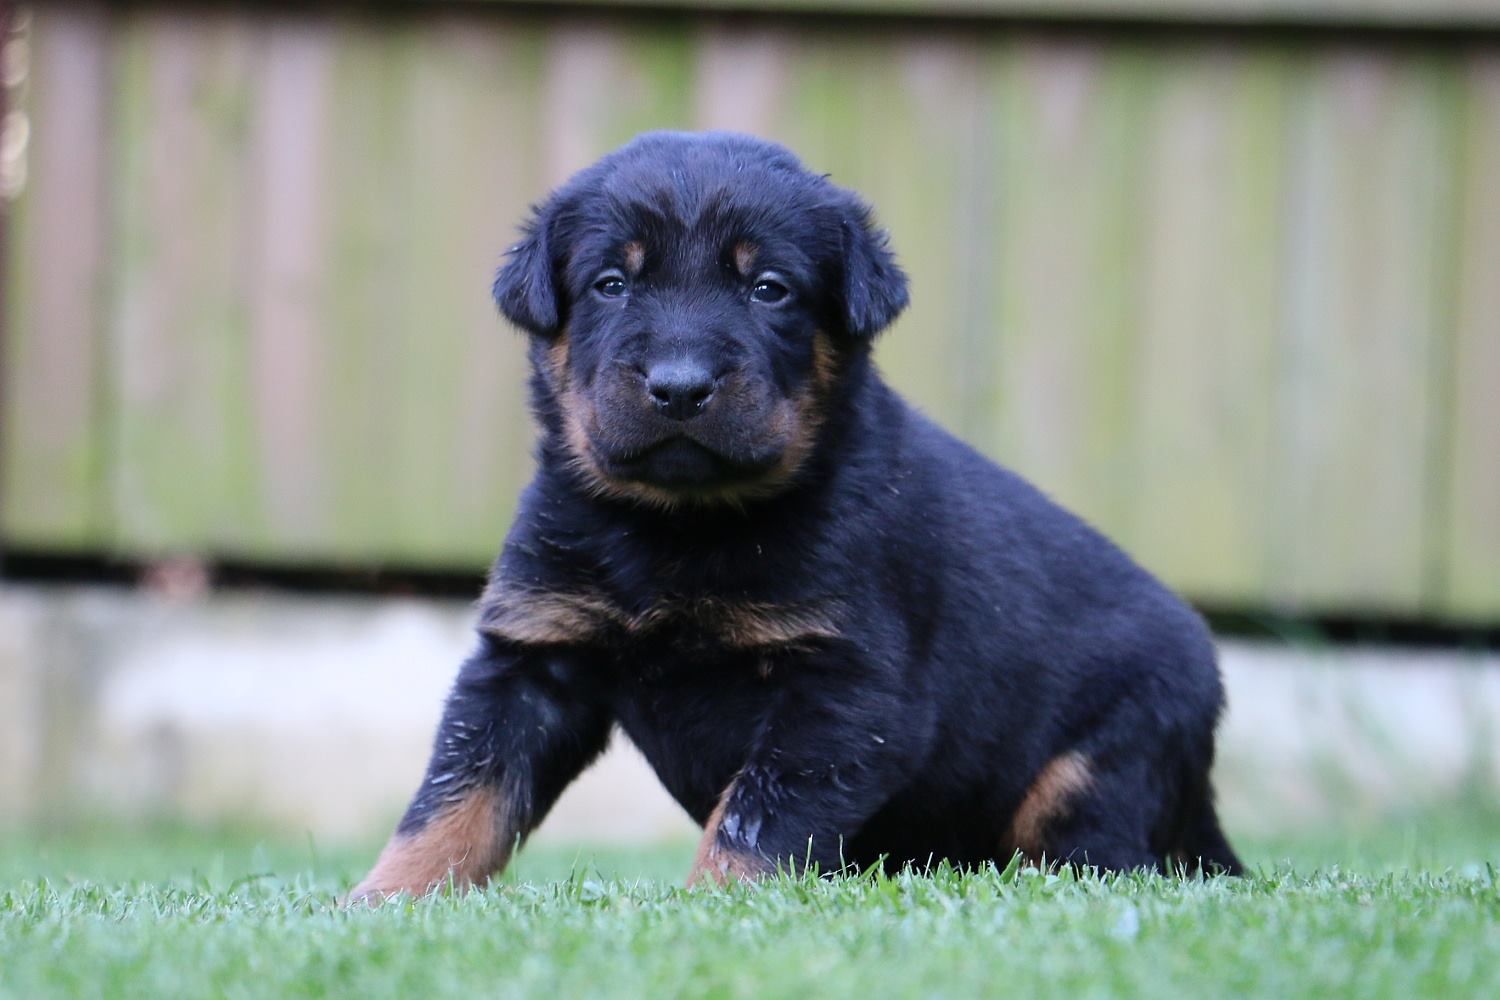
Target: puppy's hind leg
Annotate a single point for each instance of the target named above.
(1080, 813)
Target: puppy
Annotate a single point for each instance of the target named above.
(839, 635)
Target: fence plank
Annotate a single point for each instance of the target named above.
(423, 167)
(290, 367)
(1369, 212)
(1069, 129)
(183, 466)
(1211, 302)
(1472, 579)
(50, 430)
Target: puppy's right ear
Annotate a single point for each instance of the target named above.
(525, 287)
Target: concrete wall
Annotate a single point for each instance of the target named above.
(315, 714)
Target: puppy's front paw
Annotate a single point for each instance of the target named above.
(369, 893)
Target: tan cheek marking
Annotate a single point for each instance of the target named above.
(744, 257)
(557, 362)
(468, 842)
(576, 412)
(1049, 798)
(635, 257)
(797, 421)
(824, 362)
(716, 864)
(801, 418)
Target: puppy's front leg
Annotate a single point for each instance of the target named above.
(519, 725)
(835, 748)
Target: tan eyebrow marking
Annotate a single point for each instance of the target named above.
(635, 257)
(744, 256)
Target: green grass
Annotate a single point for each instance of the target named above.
(1399, 909)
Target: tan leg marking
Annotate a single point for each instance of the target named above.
(716, 864)
(1050, 797)
(468, 842)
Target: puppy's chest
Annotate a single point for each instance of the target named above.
(661, 626)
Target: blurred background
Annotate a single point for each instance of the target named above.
(1221, 275)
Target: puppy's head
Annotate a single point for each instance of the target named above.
(691, 300)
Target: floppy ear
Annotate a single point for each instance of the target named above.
(525, 288)
(874, 284)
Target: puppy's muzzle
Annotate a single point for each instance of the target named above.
(680, 389)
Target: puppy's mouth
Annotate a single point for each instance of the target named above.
(681, 461)
(720, 458)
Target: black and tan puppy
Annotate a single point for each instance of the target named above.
(838, 634)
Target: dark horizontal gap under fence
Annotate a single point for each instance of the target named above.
(194, 576)
(1415, 23)
(180, 573)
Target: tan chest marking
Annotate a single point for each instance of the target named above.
(543, 617)
(578, 617)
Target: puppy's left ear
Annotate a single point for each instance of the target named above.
(525, 287)
(874, 284)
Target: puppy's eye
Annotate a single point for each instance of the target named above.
(768, 291)
(611, 285)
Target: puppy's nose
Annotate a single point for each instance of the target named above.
(679, 389)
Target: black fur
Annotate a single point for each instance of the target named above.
(867, 649)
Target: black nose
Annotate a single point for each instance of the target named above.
(679, 389)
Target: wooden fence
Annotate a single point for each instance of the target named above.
(1232, 293)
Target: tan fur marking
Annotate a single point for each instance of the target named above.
(468, 842)
(796, 420)
(576, 413)
(744, 256)
(557, 361)
(635, 257)
(718, 865)
(801, 418)
(749, 625)
(824, 362)
(545, 616)
(1049, 798)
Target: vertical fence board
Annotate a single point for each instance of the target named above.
(1472, 579)
(1070, 127)
(461, 428)
(1211, 304)
(289, 364)
(183, 468)
(426, 172)
(50, 430)
(1368, 221)
(362, 311)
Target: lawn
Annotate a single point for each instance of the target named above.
(1399, 909)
